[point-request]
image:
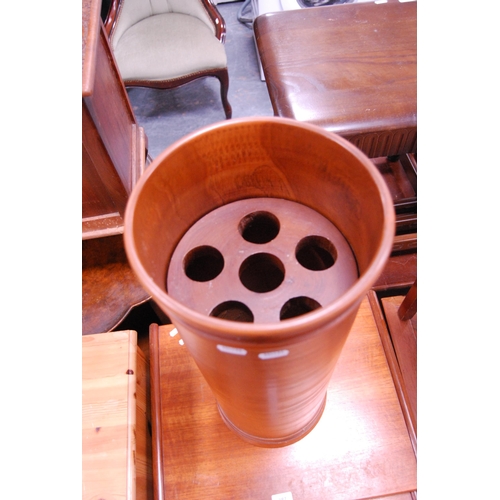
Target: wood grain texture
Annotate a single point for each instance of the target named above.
(408, 307)
(359, 449)
(113, 145)
(262, 158)
(401, 269)
(400, 175)
(109, 415)
(408, 407)
(116, 457)
(108, 294)
(401, 185)
(349, 68)
(404, 338)
(327, 266)
(109, 286)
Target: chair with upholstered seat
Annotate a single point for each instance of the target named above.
(166, 43)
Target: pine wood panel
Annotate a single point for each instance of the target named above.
(359, 449)
(116, 460)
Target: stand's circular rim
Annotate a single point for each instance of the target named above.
(251, 332)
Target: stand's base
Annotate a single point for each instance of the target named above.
(275, 442)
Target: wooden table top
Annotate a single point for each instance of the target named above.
(359, 449)
(349, 68)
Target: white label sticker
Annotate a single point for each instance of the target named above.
(274, 354)
(232, 350)
(173, 332)
(282, 496)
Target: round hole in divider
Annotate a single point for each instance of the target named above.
(262, 272)
(203, 263)
(259, 227)
(233, 310)
(297, 307)
(316, 253)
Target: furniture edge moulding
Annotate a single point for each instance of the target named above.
(116, 448)
(156, 420)
(112, 113)
(117, 156)
(403, 396)
(103, 194)
(90, 30)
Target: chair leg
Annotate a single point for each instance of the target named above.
(223, 76)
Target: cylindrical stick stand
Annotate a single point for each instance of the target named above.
(259, 237)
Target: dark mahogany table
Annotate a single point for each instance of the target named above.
(351, 69)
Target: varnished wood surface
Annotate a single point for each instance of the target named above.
(408, 307)
(359, 449)
(349, 68)
(408, 405)
(109, 286)
(404, 338)
(327, 266)
(116, 460)
(400, 175)
(110, 290)
(90, 30)
(113, 145)
(400, 178)
(400, 270)
(262, 158)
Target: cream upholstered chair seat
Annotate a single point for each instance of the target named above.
(166, 43)
(157, 48)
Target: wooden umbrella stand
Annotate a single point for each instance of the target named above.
(259, 238)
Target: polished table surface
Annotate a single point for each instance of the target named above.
(349, 68)
(359, 449)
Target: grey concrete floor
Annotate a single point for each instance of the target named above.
(168, 115)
